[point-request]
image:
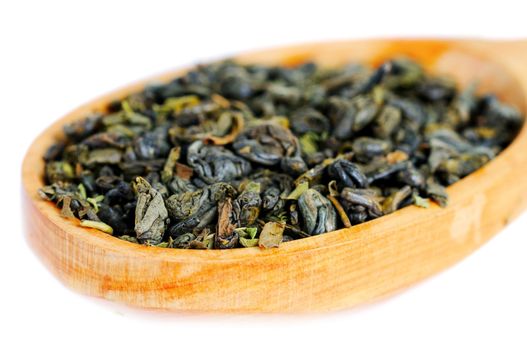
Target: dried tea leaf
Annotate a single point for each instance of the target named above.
(247, 232)
(66, 207)
(213, 164)
(396, 157)
(393, 202)
(168, 169)
(247, 205)
(95, 202)
(101, 226)
(233, 122)
(150, 213)
(420, 201)
(363, 198)
(184, 171)
(249, 242)
(437, 192)
(340, 210)
(271, 144)
(82, 191)
(347, 173)
(271, 235)
(308, 143)
(318, 212)
(226, 236)
(104, 156)
(178, 104)
(59, 171)
(128, 238)
(298, 191)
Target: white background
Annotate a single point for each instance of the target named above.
(56, 55)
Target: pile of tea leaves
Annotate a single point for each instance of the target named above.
(233, 155)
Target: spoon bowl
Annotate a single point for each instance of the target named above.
(326, 272)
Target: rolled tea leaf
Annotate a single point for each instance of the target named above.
(317, 212)
(150, 213)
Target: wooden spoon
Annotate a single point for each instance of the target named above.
(326, 272)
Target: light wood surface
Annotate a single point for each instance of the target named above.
(326, 272)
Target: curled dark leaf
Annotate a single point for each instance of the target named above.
(213, 164)
(80, 129)
(317, 213)
(270, 144)
(436, 192)
(309, 120)
(396, 199)
(363, 198)
(247, 205)
(184, 205)
(368, 148)
(347, 173)
(152, 145)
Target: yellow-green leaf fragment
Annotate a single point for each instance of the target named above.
(128, 238)
(133, 117)
(168, 169)
(308, 143)
(126, 107)
(272, 235)
(177, 104)
(95, 201)
(421, 202)
(246, 242)
(68, 169)
(297, 192)
(252, 231)
(278, 120)
(101, 226)
(208, 242)
(333, 188)
(379, 94)
(82, 191)
(247, 232)
(121, 130)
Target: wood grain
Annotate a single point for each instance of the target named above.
(327, 272)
